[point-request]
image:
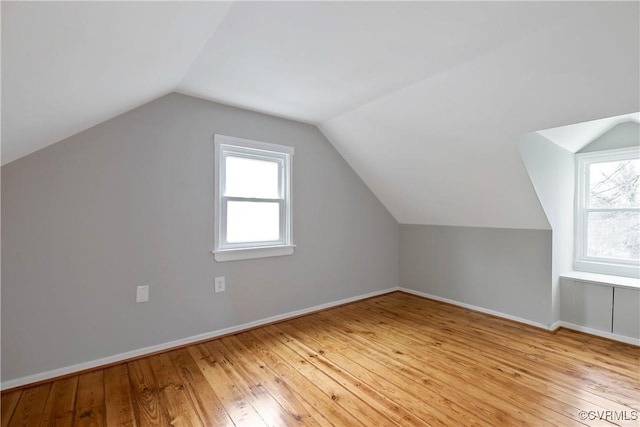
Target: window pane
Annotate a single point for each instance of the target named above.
(251, 178)
(614, 235)
(614, 184)
(253, 221)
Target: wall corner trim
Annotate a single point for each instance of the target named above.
(555, 326)
(116, 358)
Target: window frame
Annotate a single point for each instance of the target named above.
(226, 146)
(583, 262)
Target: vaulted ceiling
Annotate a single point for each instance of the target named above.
(425, 100)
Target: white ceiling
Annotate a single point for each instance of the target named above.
(576, 136)
(311, 61)
(425, 100)
(67, 66)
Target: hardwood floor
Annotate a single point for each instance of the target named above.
(396, 359)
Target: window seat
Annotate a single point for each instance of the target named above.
(604, 279)
(601, 304)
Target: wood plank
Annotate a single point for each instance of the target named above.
(480, 336)
(59, 408)
(478, 366)
(291, 378)
(234, 401)
(206, 403)
(269, 408)
(382, 396)
(505, 361)
(9, 402)
(89, 410)
(173, 399)
(118, 404)
(462, 317)
(332, 388)
(450, 382)
(255, 369)
(30, 407)
(424, 388)
(624, 391)
(144, 394)
(533, 340)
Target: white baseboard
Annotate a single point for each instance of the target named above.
(476, 308)
(554, 326)
(42, 376)
(181, 342)
(603, 334)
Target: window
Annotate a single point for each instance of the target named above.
(607, 238)
(252, 199)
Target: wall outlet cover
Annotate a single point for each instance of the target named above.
(142, 293)
(219, 284)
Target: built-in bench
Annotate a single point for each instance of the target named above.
(601, 304)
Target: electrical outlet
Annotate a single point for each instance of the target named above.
(142, 293)
(219, 284)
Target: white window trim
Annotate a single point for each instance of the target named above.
(251, 149)
(582, 262)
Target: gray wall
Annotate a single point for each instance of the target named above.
(130, 202)
(622, 135)
(505, 270)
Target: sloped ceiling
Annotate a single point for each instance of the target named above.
(67, 66)
(424, 99)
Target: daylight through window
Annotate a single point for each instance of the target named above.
(608, 212)
(253, 202)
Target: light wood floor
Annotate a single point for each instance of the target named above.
(392, 360)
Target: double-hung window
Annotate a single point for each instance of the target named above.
(607, 238)
(252, 199)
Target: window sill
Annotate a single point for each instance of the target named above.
(603, 279)
(606, 269)
(251, 253)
